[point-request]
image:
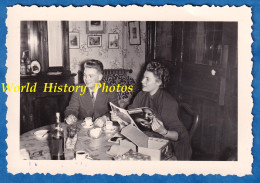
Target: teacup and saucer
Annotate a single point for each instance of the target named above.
(87, 123)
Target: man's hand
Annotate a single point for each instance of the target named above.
(158, 127)
(100, 122)
(71, 119)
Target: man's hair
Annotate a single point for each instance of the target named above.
(160, 72)
(94, 64)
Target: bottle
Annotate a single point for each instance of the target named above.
(28, 66)
(57, 141)
(22, 68)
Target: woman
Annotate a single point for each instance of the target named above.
(166, 121)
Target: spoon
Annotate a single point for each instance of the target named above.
(45, 133)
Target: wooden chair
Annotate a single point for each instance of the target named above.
(189, 118)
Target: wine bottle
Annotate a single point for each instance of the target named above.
(57, 141)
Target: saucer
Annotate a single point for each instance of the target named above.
(112, 130)
(87, 127)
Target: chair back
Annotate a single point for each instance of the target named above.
(189, 118)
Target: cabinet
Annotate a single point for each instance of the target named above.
(38, 108)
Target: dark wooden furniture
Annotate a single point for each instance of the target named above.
(189, 118)
(202, 59)
(38, 108)
(37, 32)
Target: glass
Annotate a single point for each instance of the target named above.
(72, 131)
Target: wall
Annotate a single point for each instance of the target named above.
(127, 56)
(135, 56)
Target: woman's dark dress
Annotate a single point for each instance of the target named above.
(166, 109)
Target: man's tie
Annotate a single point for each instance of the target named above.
(93, 98)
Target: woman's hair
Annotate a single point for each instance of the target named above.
(94, 64)
(160, 72)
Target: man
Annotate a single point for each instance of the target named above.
(92, 103)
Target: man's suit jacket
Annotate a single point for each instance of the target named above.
(82, 106)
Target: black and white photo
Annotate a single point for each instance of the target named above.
(163, 91)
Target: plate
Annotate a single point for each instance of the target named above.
(41, 134)
(36, 67)
(114, 129)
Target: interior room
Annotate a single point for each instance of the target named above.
(201, 57)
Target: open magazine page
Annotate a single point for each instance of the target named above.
(122, 113)
(143, 117)
(139, 117)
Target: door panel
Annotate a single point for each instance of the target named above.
(204, 58)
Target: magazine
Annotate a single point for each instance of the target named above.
(140, 117)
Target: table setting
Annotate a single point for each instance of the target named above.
(81, 136)
(85, 140)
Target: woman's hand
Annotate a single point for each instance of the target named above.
(71, 119)
(115, 117)
(158, 126)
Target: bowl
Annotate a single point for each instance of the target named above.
(41, 134)
(95, 132)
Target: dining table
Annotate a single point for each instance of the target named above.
(97, 148)
(39, 148)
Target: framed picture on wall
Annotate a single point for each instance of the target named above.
(113, 40)
(134, 33)
(95, 27)
(94, 41)
(73, 40)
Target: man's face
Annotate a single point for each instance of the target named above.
(150, 83)
(148, 114)
(91, 76)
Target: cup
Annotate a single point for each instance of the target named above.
(88, 122)
(24, 154)
(109, 125)
(95, 133)
(81, 155)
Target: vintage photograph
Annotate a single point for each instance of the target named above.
(94, 41)
(73, 40)
(189, 81)
(113, 40)
(170, 94)
(95, 27)
(134, 33)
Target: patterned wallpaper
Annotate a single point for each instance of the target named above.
(126, 56)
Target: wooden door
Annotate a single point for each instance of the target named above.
(204, 55)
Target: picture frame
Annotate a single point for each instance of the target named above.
(113, 40)
(94, 41)
(74, 40)
(134, 33)
(95, 27)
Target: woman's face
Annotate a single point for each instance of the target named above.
(150, 83)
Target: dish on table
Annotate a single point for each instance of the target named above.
(110, 130)
(41, 134)
(87, 126)
(95, 133)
